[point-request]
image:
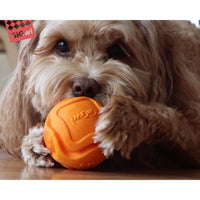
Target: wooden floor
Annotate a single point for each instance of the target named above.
(14, 169)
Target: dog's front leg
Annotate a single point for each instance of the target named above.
(121, 126)
(33, 150)
(124, 123)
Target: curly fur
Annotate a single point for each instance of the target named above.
(151, 96)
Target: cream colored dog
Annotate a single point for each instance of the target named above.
(144, 73)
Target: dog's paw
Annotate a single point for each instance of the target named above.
(109, 144)
(112, 129)
(33, 151)
(105, 143)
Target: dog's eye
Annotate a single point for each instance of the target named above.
(117, 51)
(62, 48)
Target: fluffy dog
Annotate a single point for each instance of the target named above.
(144, 73)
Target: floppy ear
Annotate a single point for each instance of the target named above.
(176, 80)
(16, 112)
(149, 53)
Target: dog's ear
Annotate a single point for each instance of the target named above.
(16, 113)
(176, 79)
(149, 54)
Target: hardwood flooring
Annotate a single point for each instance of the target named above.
(15, 169)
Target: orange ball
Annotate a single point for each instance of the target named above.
(69, 131)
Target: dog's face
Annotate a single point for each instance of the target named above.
(97, 59)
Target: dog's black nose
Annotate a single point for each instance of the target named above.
(85, 87)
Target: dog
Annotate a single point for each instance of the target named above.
(146, 74)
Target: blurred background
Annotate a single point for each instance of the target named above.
(8, 55)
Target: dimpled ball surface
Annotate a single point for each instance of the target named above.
(69, 131)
